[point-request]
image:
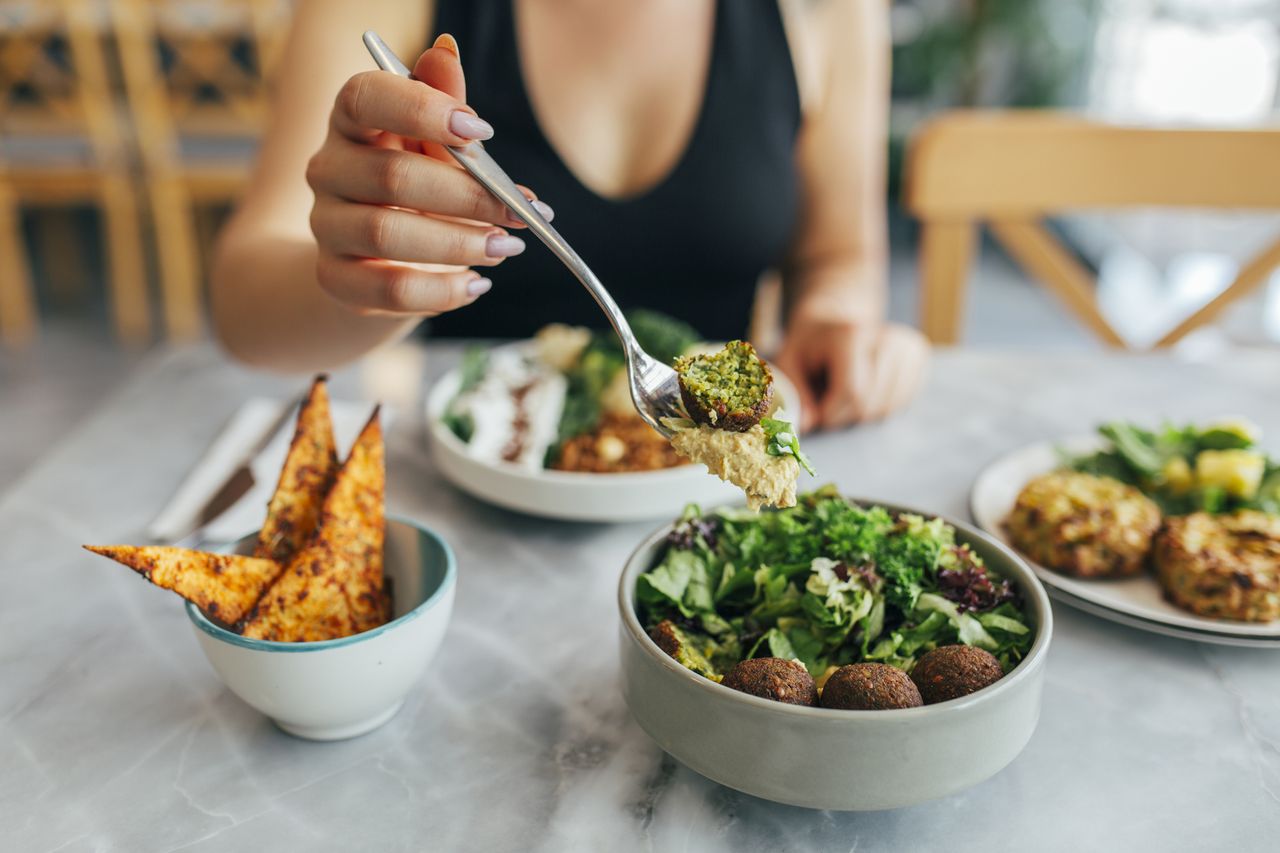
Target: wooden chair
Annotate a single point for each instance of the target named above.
(60, 144)
(194, 78)
(1009, 170)
(17, 291)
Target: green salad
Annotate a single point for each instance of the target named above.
(1217, 468)
(663, 337)
(827, 583)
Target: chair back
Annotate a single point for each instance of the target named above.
(55, 85)
(195, 71)
(1009, 170)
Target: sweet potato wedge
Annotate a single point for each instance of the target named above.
(224, 586)
(306, 603)
(294, 510)
(334, 587)
(353, 525)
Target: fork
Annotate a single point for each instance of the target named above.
(655, 390)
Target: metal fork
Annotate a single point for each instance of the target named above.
(654, 387)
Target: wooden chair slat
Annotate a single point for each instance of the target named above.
(202, 91)
(1250, 277)
(42, 100)
(1044, 258)
(1010, 169)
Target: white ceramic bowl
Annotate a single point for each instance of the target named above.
(831, 759)
(574, 495)
(342, 688)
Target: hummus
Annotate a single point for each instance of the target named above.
(740, 458)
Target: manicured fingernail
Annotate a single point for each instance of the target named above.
(478, 287)
(503, 246)
(448, 42)
(542, 207)
(545, 209)
(467, 126)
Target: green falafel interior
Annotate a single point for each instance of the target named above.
(827, 583)
(727, 389)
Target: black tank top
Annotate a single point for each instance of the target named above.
(692, 246)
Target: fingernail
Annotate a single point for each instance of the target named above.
(447, 42)
(503, 246)
(467, 126)
(478, 287)
(545, 209)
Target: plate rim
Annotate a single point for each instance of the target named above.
(1188, 625)
(1138, 623)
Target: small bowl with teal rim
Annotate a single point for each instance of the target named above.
(343, 688)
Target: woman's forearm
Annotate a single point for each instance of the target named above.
(269, 311)
(849, 290)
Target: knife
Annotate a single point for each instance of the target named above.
(241, 480)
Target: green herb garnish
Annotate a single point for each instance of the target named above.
(783, 441)
(475, 362)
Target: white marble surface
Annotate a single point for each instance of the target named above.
(115, 734)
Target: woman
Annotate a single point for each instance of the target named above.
(688, 146)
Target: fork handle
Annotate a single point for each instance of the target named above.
(476, 160)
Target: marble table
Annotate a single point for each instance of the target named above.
(115, 734)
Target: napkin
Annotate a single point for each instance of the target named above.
(228, 450)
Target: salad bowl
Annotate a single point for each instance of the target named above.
(826, 758)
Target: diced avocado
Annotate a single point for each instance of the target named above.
(1237, 472)
(1178, 476)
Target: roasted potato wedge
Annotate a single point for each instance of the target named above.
(224, 586)
(353, 524)
(334, 587)
(309, 470)
(307, 603)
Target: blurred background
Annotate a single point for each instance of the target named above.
(127, 129)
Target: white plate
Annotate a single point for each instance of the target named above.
(578, 496)
(1139, 598)
(1211, 637)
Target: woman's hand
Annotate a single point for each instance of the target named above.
(397, 222)
(846, 372)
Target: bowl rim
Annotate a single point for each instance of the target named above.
(450, 578)
(1033, 589)
(437, 399)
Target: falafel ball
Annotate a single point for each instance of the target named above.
(730, 389)
(664, 635)
(774, 678)
(870, 687)
(679, 646)
(949, 672)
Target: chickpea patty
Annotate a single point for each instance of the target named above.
(1222, 566)
(1082, 525)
